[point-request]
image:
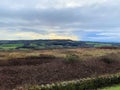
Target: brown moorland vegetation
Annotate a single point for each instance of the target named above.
(22, 68)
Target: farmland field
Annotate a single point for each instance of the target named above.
(37, 67)
(10, 46)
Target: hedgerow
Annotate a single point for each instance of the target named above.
(82, 84)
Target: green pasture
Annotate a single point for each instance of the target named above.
(10, 46)
(116, 87)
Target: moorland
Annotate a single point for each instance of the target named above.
(25, 68)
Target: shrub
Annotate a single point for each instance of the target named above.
(110, 58)
(46, 56)
(107, 60)
(41, 56)
(31, 60)
(71, 58)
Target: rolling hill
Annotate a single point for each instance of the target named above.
(50, 44)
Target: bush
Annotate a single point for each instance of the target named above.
(31, 60)
(41, 56)
(110, 58)
(46, 56)
(72, 58)
(107, 60)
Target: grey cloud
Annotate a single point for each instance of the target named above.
(88, 17)
(24, 16)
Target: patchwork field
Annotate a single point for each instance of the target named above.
(37, 67)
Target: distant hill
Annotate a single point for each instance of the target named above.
(50, 44)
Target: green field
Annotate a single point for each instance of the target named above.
(116, 87)
(10, 46)
(52, 44)
(98, 44)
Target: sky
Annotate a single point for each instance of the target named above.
(84, 20)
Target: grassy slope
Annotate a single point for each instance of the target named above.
(116, 87)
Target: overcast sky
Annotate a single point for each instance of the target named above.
(88, 20)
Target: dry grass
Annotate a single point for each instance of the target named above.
(84, 53)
